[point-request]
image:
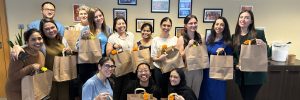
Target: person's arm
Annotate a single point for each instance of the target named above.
(18, 70)
(87, 91)
(154, 52)
(16, 50)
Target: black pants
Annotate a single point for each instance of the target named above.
(249, 92)
(162, 80)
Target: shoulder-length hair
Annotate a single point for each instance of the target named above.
(46, 39)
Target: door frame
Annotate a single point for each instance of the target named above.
(4, 52)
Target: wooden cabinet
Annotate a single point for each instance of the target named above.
(283, 83)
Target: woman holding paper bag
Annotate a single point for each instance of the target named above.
(191, 38)
(249, 82)
(219, 41)
(164, 40)
(33, 60)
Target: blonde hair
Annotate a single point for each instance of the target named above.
(84, 7)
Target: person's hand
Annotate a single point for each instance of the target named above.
(117, 46)
(86, 34)
(220, 50)
(260, 42)
(191, 42)
(102, 96)
(67, 50)
(179, 97)
(163, 57)
(15, 51)
(36, 66)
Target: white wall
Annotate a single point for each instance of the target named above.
(279, 17)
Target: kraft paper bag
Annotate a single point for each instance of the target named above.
(141, 56)
(142, 96)
(221, 67)
(72, 35)
(89, 51)
(174, 60)
(253, 58)
(37, 86)
(196, 57)
(64, 68)
(123, 63)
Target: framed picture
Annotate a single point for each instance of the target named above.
(179, 31)
(127, 2)
(120, 12)
(141, 21)
(207, 33)
(184, 8)
(210, 15)
(160, 6)
(76, 13)
(246, 7)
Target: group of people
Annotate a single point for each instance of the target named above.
(45, 40)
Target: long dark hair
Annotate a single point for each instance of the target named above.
(251, 29)
(186, 38)
(225, 33)
(28, 33)
(92, 23)
(46, 39)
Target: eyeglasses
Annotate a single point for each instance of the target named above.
(107, 66)
(52, 10)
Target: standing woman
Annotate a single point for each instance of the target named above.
(163, 39)
(190, 37)
(218, 41)
(99, 86)
(55, 44)
(249, 82)
(121, 39)
(145, 42)
(83, 16)
(22, 67)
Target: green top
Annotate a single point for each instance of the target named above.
(54, 48)
(249, 78)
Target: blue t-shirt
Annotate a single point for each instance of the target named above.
(94, 86)
(36, 24)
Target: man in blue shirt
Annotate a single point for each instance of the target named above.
(48, 11)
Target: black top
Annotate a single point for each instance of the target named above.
(133, 84)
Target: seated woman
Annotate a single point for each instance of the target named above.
(178, 86)
(27, 64)
(99, 87)
(144, 80)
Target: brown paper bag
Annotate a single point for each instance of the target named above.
(221, 67)
(196, 57)
(36, 87)
(123, 63)
(64, 68)
(253, 58)
(174, 60)
(136, 96)
(72, 35)
(141, 56)
(89, 51)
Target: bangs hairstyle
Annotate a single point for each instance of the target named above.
(105, 59)
(115, 22)
(46, 39)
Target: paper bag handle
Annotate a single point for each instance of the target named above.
(139, 89)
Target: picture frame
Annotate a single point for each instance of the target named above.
(179, 31)
(76, 13)
(211, 14)
(141, 21)
(160, 6)
(246, 7)
(120, 12)
(207, 33)
(127, 2)
(184, 8)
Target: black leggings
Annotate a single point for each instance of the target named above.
(249, 92)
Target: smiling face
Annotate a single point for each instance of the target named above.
(192, 25)
(98, 17)
(146, 32)
(107, 68)
(48, 11)
(245, 20)
(35, 41)
(174, 78)
(50, 30)
(219, 26)
(120, 26)
(166, 26)
(83, 16)
(143, 73)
